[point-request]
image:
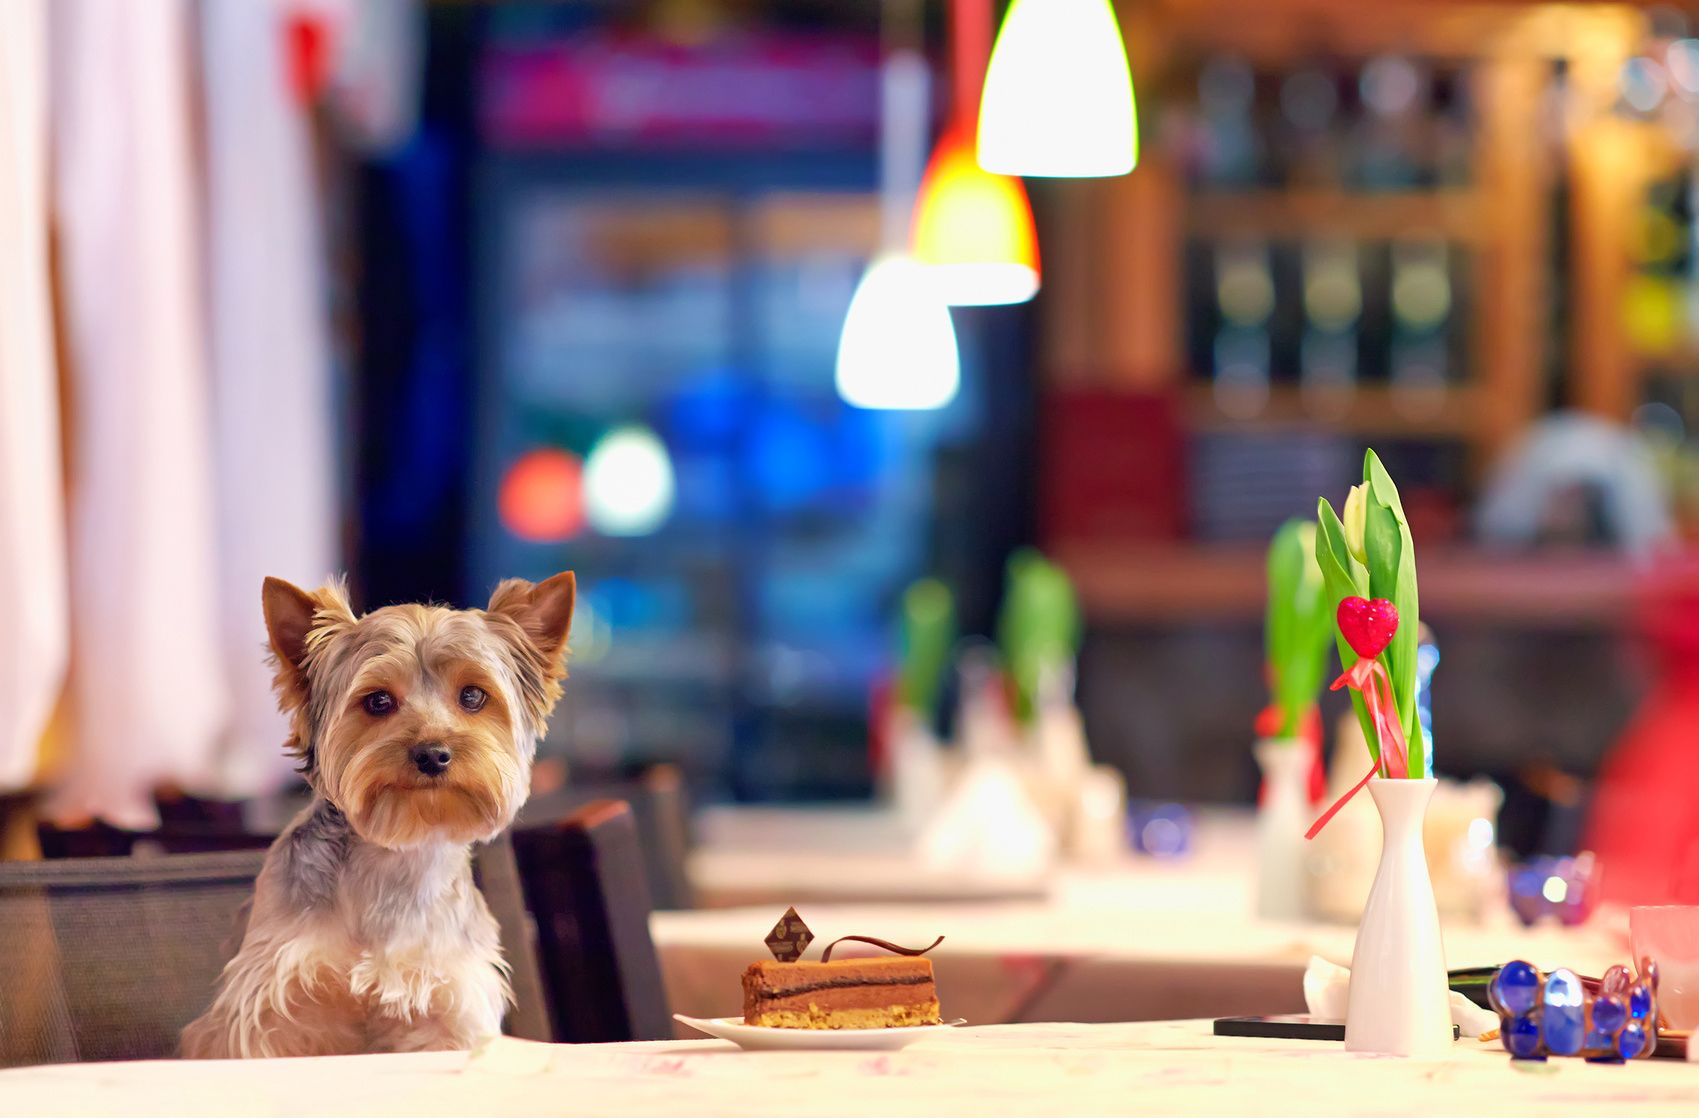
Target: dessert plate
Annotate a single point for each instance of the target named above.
(764, 1038)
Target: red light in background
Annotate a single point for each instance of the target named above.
(542, 496)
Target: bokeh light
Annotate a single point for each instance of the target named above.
(1243, 286)
(1652, 313)
(1642, 83)
(1333, 291)
(628, 483)
(1389, 84)
(1421, 285)
(541, 497)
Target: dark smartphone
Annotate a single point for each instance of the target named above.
(1289, 1026)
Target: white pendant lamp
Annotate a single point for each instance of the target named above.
(972, 229)
(1058, 98)
(898, 348)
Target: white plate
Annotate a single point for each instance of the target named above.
(764, 1038)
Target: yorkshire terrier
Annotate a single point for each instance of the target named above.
(415, 727)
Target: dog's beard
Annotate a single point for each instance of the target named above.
(387, 802)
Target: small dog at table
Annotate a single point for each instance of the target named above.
(416, 727)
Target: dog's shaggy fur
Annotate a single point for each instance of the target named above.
(416, 727)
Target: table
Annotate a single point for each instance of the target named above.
(1024, 962)
(1137, 940)
(783, 856)
(1074, 1070)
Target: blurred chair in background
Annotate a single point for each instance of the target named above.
(111, 956)
(108, 958)
(497, 875)
(584, 883)
(660, 808)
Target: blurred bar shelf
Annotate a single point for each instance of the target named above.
(1451, 412)
(1453, 213)
(1176, 583)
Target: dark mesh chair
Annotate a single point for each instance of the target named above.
(585, 885)
(108, 958)
(661, 812)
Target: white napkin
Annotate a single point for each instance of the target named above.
(988, 826)
(1327, 987)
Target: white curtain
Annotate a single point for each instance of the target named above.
(270, 361)
(33, 623)
(149, 693)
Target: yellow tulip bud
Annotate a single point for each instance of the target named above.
(1356, 520)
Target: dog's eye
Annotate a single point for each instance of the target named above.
(379, 703)
(473, 698)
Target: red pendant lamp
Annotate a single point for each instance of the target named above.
(972, 229)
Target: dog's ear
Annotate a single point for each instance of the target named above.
(542, 610)
(535, 621)
(289, 614)
(296, 622)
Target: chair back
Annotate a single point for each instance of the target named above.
(108, 958)
(107, 854)
(498, 879)
(661, 811)
(584, 882)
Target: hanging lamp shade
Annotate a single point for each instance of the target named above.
(972, 229)
(898, 348)
(1058, 98)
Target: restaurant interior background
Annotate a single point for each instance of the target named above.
(571, 298)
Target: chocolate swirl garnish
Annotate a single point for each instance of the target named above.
(887, 945)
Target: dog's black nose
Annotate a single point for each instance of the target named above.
(431, 757)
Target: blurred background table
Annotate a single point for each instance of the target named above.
(784, 856)
(1160, 1068)
(1136, 940)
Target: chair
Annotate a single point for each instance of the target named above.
(108, 958)
(661, 812)
(584, 883)
(102, 840)
(498, 878)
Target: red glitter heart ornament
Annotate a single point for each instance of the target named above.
(1367, 626)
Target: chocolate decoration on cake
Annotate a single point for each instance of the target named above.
(789, 938)
(826, 955)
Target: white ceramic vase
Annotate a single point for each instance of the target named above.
(1282, 819)
(1399, 1002)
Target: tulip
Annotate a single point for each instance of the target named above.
(1355, 522)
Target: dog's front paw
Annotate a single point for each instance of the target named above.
(399, 988)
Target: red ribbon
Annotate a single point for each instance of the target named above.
(1369, 677)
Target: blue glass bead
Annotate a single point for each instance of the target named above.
(1608, 1014)
(1562, 1020)
(1515, 988)
(1521, 1035)
(1639, 1002)
(1632, 1040)
(1599, 1041)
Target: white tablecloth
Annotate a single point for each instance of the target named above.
(1073, 1070)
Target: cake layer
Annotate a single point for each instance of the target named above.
(846, 994)
(851, 997)
(774, 979)
(890, 1017)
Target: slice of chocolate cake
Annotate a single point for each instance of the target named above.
(846, 994)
